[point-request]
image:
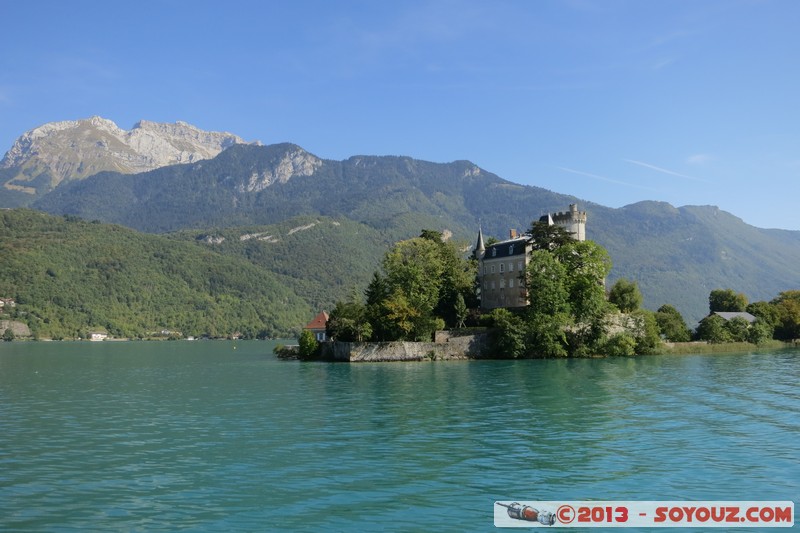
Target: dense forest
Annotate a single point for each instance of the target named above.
(70, 277)
(320, 259)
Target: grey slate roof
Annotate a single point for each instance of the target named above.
(731, 315)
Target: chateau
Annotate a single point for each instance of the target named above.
(501, 266)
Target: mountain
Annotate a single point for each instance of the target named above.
(162, 178)
(321, 259)
(267, 184)
(44, 157)
(69, 276)
(678, 255)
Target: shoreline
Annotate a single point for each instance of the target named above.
(700, 347)
(426, 351)
(477, 349)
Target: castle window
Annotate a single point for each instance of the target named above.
(493, 285)
(519, 265)
(502, 267)
(511, 283)
(511, 249)
(511, 267)
(503, 283)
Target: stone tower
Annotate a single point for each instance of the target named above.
(573, 221)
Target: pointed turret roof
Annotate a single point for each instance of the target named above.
(480, 248)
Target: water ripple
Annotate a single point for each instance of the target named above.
(195, 436)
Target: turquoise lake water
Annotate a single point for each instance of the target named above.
(222, 436)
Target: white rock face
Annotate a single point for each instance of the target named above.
(295, 163)
(79, 148)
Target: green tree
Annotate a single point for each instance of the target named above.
(461, 311)
(546, 279)
(587, 265)
(377, 293)
(620, 345)
(548, 237)
(648, 335)
(588, 300)
(8, 335)
(457, 279)
(308, 345)
(760, 332)
(766, 312)
(410, 289)
(415, 268)
(726, 300)
(508, 333)
(546, 334)
(738, 328)
(419, 290)
(348, 322)
(672, 325)
(404, 315)
(625, 295)
(787, 304)
(712, 330)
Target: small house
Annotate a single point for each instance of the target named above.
(317, 326)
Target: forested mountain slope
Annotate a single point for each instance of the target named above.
(679, 255)
(676, 254)
(69, 277)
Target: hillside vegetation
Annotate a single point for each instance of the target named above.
(70, 277)
(318, 258)
(677, 255)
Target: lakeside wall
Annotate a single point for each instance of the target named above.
(449, 347)
(446, 347)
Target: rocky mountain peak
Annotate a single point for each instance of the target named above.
(76, 149)
(294, 162)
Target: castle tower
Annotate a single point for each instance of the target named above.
(573, 221)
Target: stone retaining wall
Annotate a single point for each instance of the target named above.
(449, 348)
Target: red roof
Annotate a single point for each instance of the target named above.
(319, 321)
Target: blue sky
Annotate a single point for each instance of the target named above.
(691, 102)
